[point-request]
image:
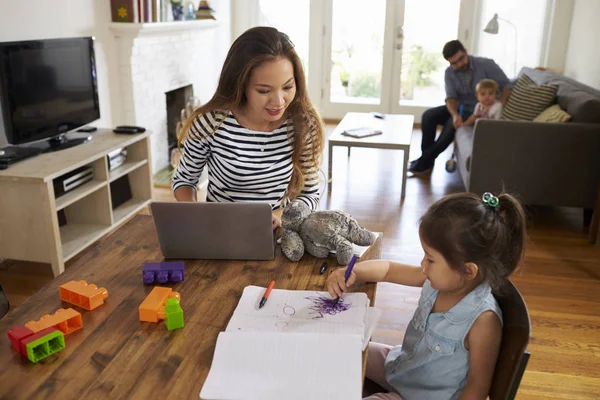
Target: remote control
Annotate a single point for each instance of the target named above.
(87, 129)
(378, 115)
(132, 128)
(128, 131)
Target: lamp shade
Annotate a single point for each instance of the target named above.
(492, 26)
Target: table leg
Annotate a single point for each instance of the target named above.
(349, 147)
(330, 169)
(404, 173)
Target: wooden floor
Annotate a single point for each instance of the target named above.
(560, 278)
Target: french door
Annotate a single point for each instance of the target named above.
(385, 55)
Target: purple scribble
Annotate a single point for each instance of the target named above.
(324, 306)
(289, 310)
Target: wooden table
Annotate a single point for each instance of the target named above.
(396, 135)
(117, 356)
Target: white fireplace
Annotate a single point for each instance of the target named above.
(155, 59)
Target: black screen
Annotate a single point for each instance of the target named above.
(48, 87)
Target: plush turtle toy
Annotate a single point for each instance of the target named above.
(319, 232)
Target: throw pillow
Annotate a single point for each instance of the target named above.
(553, 114)
(528, 100)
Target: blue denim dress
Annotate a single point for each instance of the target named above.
(432, 363)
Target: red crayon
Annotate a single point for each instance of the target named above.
(266, 295)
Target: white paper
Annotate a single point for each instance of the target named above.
(299, 311)
(292, 366)
(373, 315)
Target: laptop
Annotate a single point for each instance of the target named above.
(214, 231)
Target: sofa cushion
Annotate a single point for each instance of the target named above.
(553, 114)
(582, 102)
(528, 100)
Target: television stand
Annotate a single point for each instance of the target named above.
(40, 225)
(62, 142)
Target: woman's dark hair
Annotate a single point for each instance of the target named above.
(252, 48)
(463, 228)
(452, 47)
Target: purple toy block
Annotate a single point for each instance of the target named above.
(163, 272)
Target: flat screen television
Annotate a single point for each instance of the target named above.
(47, 88)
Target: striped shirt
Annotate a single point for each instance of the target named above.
(244, 165)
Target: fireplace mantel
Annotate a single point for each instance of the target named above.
(135, 30)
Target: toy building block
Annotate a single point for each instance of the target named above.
(42, 344)
(36, 345)
(17, 334)
(65, 320)
(153, 307)
(173, 315)
(162, 272)
(83, 295)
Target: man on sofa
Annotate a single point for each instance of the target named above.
(461, 78)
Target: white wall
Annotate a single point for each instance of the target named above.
(583, 53)
(558, 35)
(45, 19)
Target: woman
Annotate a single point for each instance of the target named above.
(259, 134)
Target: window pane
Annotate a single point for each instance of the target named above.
(529, 17)
(423, 65)
(357, 51)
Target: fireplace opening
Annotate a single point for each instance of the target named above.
(180, 104)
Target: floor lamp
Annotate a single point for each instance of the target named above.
(493, 28)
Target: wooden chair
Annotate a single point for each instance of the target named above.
(513, 356)
(4, 304)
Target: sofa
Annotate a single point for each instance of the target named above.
(542, 163)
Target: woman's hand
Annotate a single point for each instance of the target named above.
(336, 284)
(276, 221)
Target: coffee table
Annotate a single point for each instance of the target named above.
(396, 135)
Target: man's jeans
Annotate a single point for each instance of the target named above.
(430, 147)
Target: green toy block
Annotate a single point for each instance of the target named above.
(173, 315)
(45, 346)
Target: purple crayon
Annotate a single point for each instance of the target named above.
(163, 272)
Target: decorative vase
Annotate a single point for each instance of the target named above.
(177, 12)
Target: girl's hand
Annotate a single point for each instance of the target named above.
(276, 221)
(335, 282)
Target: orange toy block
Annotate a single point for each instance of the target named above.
(83, 295)
(65, 320)
(153, 307)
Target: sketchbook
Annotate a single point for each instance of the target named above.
(284, 350)
(293, 366)
(304, 311)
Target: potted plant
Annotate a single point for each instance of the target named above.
(177, 7)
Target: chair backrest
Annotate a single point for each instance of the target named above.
(4, 305)
(513, 356)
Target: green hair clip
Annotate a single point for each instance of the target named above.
(490, 200)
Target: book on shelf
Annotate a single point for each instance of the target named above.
(124, 10)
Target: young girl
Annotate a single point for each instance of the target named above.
(471, 245)
(259, 135)
(487, 107)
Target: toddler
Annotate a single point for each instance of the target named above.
(487, 107)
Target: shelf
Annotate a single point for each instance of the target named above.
(82, 191)
(75, 237)
(126, 168)
(127, 209)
